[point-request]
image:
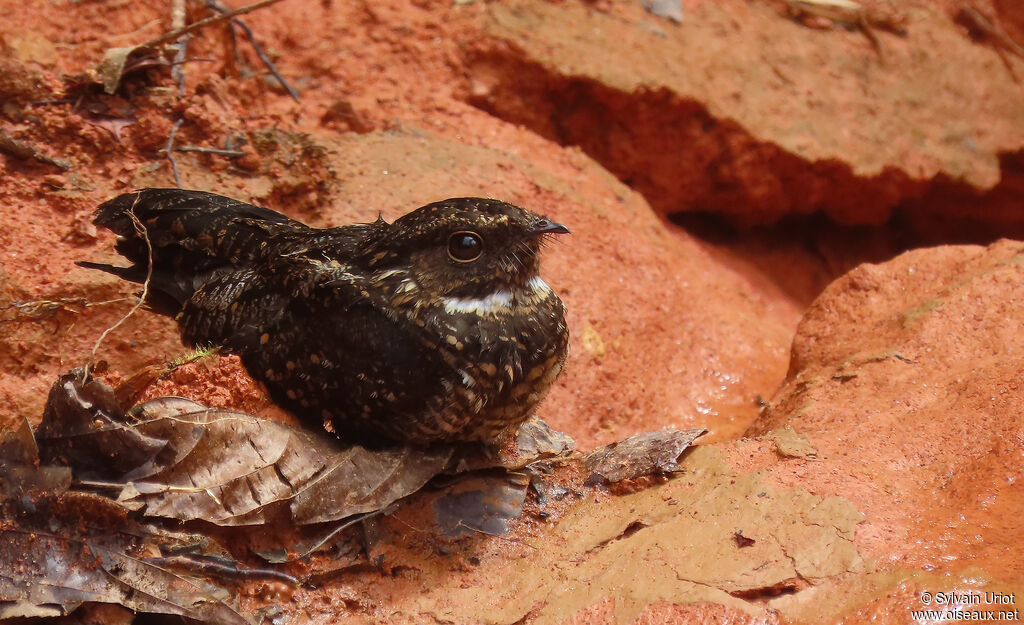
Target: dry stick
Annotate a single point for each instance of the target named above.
(217, 568)
(180, 47)
(266, 60)
(178, 32)
(146, 26)
(142, 232)
(12, 146)
(345, 524)
(213, 4)
(1000, 40)
(990, 28)
(169, 149)
(236, 55)
(67, 333)
(204, 150)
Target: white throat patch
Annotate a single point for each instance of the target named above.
(499, 301)
(492, 304)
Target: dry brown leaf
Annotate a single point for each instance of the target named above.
(651, 453)
(481, 504)
(111, 68)
(19, 473)
(537, 441)
(18, 447)
(175, 458)
(60, 549)
(534, 442)
(51, 562)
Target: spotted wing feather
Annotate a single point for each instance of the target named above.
(194, 236)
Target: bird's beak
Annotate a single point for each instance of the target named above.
(546, 226)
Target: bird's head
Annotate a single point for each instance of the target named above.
(465, 247)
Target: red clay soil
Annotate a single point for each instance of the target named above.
(922, 369)
(610, 120)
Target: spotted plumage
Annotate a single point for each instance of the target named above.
(434, 328)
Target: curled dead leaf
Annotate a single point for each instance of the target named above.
(651, 453)
(174, 458)
(19, 470)
(537, 441)
(120, 61)
(481, 504)
(60, 549)
(51, 563)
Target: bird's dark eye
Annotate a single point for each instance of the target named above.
(465, 246)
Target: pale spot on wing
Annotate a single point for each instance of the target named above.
(384, 275)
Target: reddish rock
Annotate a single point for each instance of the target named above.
(906, 379)
(741, 111)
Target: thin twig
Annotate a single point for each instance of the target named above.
(169, 150)
(235, 54)
(510, 539)
(266, 60)
(345, 524)
(1001, 42)
(142, 232)
(216, 567)
(12, 146)
(204, 150)
(146, 26)
(990, 28)
(216, 6)
(178, 32)
(180, 47)
(36, 310)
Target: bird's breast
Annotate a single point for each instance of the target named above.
(503, 345)
(498, 354)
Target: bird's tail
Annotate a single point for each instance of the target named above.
(189, 235)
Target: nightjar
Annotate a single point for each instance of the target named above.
(434, 328)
